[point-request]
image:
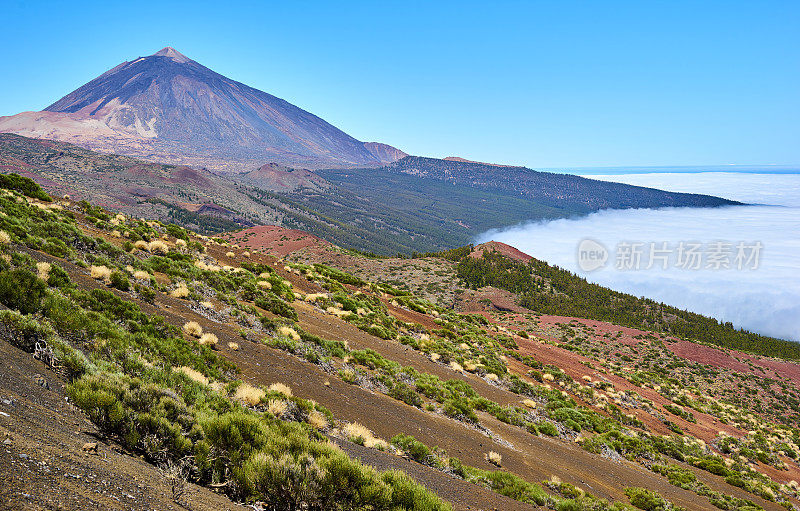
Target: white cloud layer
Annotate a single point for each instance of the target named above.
(765, 300)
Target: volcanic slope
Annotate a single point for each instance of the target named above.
(168, 108)
(195, 337)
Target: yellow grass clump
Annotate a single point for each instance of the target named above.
(548, 377)
(317, 420)
(313, 297)
(158, 247)
(435, 356)
(263, 284)
(280, 388)
(193, 328)
(492, 377)
(276, 407)
(470, 366)
(192, 374)
(337, 312)
(141, 275)
(43, 270)
(530, 403)
(245, 254)
(209, 340)
(181, 243)
(116, 234)
(360, 434)
(207, 304)
(180, 292)
(289, 332)
(233, 346)
(230, 254)
(248, 394)
(495, 458)
(141, 244)
(455, 366)
(100, 272)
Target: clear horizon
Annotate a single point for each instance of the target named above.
(536, 84)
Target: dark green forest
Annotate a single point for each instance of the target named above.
(552, 290)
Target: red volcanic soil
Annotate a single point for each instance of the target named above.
(506, 250)
(274, 240)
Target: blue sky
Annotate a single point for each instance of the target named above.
(544, 84)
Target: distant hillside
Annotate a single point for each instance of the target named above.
(385, 210)
(558, 190)
(169, 108)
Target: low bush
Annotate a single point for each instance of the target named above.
(22, 290)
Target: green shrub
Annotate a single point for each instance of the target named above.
(647, 500)
(415, 449)
(20, 289)
(547, 428)
(120, 281)
(403, 392)
(276, 306)
(24, 185)
(58, 277)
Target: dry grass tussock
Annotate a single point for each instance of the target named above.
(209, 340)
(495, 458)
(289, 332)
(360, 434)
(317, 420)
(263, 284)
(230, 255)
(182, 291)
(141, 275)
(100, 272)
(281, 389)
(43, 270)
(192, 374)
(140, 244)
(276, 407)
(193, 328)
(158, 247)
(248, 394)
(233, 346)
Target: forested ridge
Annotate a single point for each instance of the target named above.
(549, 289)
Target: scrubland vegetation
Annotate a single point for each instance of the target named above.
(163, 391)
(171, 398)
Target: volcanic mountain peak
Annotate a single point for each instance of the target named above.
(172, 53)
(168, 107)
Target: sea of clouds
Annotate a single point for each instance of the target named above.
(764, 300)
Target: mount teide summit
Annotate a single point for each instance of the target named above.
(169, 108)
